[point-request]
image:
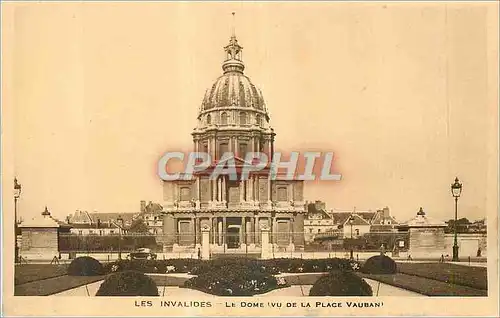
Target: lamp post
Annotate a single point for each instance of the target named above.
(456, 190)
(120, 228)
(351, 221)
(17, 194)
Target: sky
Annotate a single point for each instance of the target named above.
(403, 94)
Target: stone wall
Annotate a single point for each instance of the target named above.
(39, 243)
(468, 244)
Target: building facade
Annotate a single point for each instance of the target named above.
(151, 213)
(85, 223)
(320, 223)
(233, 118)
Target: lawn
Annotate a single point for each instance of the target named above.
(32, 272)
(475, 277)
(426, 286)
(53, 285)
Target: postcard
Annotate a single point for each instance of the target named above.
(250, 158)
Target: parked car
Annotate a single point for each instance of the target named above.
(142, 253)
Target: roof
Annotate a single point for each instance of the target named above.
(312, 209)
(379, 216)
(423, 220)
(381, 228)
(112, 217)
(80, 217)
(358, 220)
(153, 208)
(361, 218)
(43, 220)
(94, 226)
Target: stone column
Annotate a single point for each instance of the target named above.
(209, 144)
(265, 243)
(198, 191)
(219, 232)
(250, 189)
(214, 190)
(205, 242)
(256, 229)
(274, 229)
(219, 189)
(242, 191)
(243, 231)
(224, 231)
(193, 227)
(224, 189)
(269, 186)
(198, 230)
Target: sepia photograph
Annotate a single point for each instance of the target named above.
(250, 158)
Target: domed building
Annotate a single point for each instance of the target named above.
(233, 118)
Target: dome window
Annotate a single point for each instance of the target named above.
(209, 119)
(243, 118)
(223, 118)
(258, 120)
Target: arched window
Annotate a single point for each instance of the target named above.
(242, 151)
(243, 118)
(223, 118)
(209, 119)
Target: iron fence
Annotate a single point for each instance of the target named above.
(225, 242)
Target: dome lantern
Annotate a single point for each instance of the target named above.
(233, 61)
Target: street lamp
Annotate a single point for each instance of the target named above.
(17, 194)
(456, 190)
(351, 221)
(119, 220)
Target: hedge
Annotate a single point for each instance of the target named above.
(85, 266)
(341, 283)
(128, 283)
(380, 264)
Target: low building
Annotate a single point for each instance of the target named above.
(317, 221)
(151, 213)
(84, 223)
(40, 236)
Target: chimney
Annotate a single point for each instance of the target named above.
(143, 206)
(387, 213)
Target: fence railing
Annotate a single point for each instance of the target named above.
(230, 240)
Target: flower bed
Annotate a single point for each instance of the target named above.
(197, 267)
(235, 280)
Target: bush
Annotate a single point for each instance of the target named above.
(379, 264)
(235, 280)
(85, 266)
(128, 283)
(341, 283)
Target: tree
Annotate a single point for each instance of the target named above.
(138, 226)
